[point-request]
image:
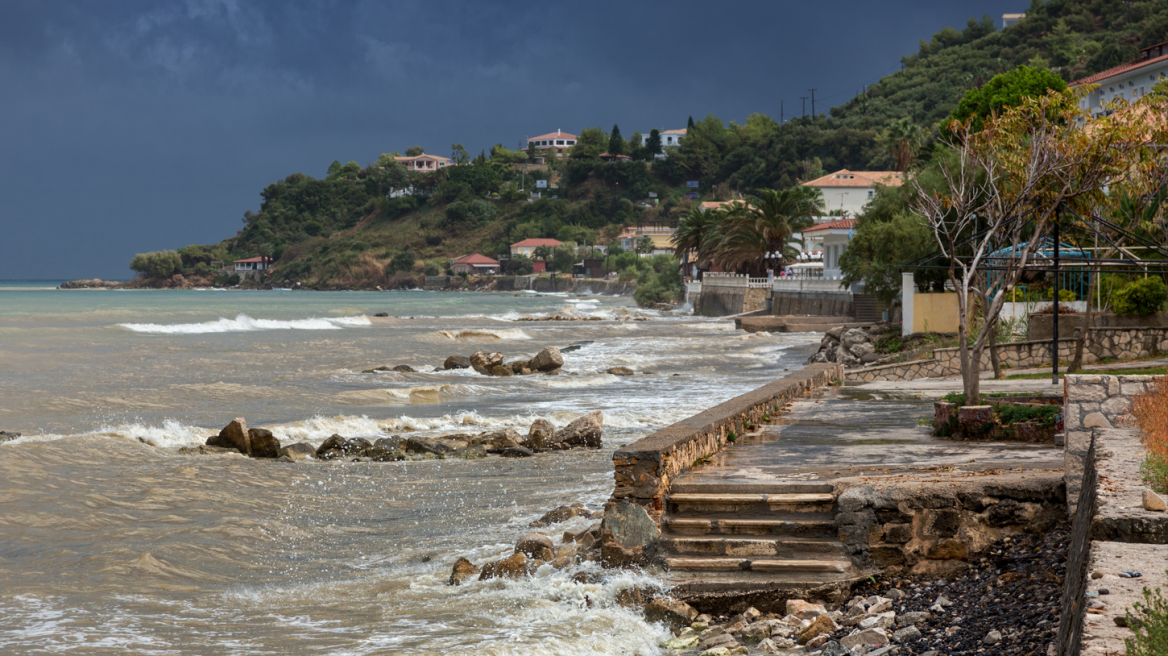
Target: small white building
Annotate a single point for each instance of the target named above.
(558, 142)
(668, 137)
(850, 191)
(1011, 19)
(252, 267)
(1130, 81)
(832, 239)
(423, 162)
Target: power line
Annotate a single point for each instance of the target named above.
(813, 101)
(804, 99)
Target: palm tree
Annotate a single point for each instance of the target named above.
(759, 234)
(694, 234)
(901, 138)
(542, 253)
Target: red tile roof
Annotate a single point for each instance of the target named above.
(552, 135)
(843, 224)
(535, 243)
(715, 204)
(476, 259)
(681, 131)
(846, 178)
(1122, 68)
(252, 259)
(422, 156)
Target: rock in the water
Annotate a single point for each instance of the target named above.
(205, 450)
(6, 436)
(331, 448)
(520, 368)
(405, 369)
(561, 514)
(500, 370)
(670, 611)
(386, 449)
(500, 439)
(629, 525)
(533, 544)
(511, 567)
(584, 431)
(804, 610)
(381, 314)
(516, 452)
(547, 359)
(482, 361)
(540, 435)
(233, 436)
(263, 443)
(419, 445)
(472, 452)
(357, 447)
(299, 451)
(681, 642)
(456, 362)
(463, 570)
(619, 371)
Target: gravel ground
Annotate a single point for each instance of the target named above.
(1014, 591)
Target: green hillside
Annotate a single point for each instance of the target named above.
(347, 231)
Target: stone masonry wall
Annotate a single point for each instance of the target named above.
(1117, 343)
(821, 304)
(644, 470)
(1090, 402)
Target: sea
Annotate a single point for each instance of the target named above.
(113, 542)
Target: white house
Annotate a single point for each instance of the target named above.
(850, 191)
(832, 238)
(423, 162)
(527, 246)
(1130, 81)
(1011, 19)
(668, 137)
(558, 141)
(252, 264)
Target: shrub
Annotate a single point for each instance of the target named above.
(1150, 410)
(890, 344)
(1014, 414)
(1149, 622)
(157, 264)
(1143, 296)
(403, 261)
(432, 269)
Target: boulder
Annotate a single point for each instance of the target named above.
(540, 435)
(584, 431)
(500, 370)
(512, 567)
(386, 449)
(482, 361)
(520, 368)
(456, 362)
(472, 452)
(867, 638)
(628, 525)
(533, 545)
(331, 448)
(204, 450)
(420, 445)
(233, 436)
(463, 570)
(547, 359)
(6, 436)
(804, 610)
(299, 451)
(499, 439)
(863, 349)
(516, 452)
(670, 611)
(853, 337)
(405, 369)
(263, 443)
(561, 514)
(619, 371)
(357, 446)
(819, 626)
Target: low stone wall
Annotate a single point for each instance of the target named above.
(1091, 402)
(935, 528)
(1041, 324)
(818, 304)
(645, 469)
(1113, 343)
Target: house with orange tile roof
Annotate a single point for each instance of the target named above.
(423, 162)
(527, 246)
(558, 142)
(832, 239)
(1130, 81)
(850, 191)
(476, 264)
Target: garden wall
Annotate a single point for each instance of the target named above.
(1041, 325)
(1112, 343)
(645, 469)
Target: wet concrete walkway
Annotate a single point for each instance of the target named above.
(844, 432)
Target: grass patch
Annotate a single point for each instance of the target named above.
(1149, 371)
(1016, 414)
(959, 397)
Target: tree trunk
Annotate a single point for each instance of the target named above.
(1081, 338)
(995, 359)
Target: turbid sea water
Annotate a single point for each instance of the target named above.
(112, 542)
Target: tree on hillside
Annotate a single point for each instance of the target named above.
(458, 154)
(1004, 91)
(635, 148)
(590, 143)
(542, 253)
(644, 245)
(694, 231)
(403, 261)
(414, 151)
(758, 233)
(616, 144)
(157, 264)
(653, 147)
(900, 140)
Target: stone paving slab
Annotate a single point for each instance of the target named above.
(849, 432)
(1101, 635)
(1120, 514)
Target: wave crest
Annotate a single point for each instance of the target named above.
(244, 323)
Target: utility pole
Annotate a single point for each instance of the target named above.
(780, 112)
(813, 101)
(804, 99)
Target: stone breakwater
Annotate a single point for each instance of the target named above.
(237, 438)
(644, 470)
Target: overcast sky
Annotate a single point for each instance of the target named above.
(142, 125)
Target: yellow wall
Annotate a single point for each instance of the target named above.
(939, 310)
(662, 239)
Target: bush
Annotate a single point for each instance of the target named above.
(432, 269)
(1151, 412)
(1015, 414)
(1143, 296)
(1149, 621)
(157, 264)
(403, 261)
(890, 344)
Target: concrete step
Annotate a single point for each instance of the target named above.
(749, 503)
(760, 565)
(802, 527)
(788, 548)
(774, 487)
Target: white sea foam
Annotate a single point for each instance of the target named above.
(483, 335)
(244, 323)
(398, 395)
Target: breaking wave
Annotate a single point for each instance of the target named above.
(483, 335)
(398, 395)
(244, 323)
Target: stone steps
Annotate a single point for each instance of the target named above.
(692, 503)
(788, 571)
(753, 547)
(729, 526)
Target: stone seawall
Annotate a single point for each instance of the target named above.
(1115, 343)
(819, 304)
(645, 469)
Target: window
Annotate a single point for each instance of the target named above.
(871, 193)
(559, 142)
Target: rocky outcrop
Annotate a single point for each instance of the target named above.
(456, 362)
(482, 361)
(585, 431)
(233, 436)
(547, 359)
(263, 443)
(626, 532)
(94, 283)
(500, 439)
(540, 435)
(854, 347)
(463, 570)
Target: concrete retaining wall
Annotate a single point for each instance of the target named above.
(645, 469)
(1113, 343)
(819, 304)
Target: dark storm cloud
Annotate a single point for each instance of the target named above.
(134, 126)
